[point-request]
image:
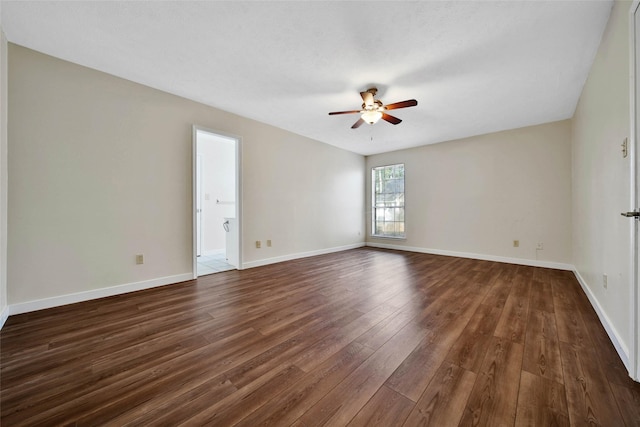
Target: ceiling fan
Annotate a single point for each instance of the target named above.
(373, 109)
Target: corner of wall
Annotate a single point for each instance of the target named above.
(612, 332)
(600, 185)
(4, 315)
(3, 179)
(299, 255)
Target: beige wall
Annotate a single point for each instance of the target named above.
(100, 169)
(601, 237)
(477, 195)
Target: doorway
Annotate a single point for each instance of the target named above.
(216, 202)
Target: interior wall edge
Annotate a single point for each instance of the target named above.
(612, 332)
(290, 257)
(484, 257)
(42, 304)
(57, 301)
(4, 315)
(4, 304)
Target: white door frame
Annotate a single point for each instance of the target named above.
(238, 144)
(198, 205)
(634, 350)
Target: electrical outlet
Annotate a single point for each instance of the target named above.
(516, 243)
(540, 246)
(258, 244)
(604, 281)
(140, 259)
(268, 243)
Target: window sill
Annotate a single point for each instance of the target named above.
(376, 236)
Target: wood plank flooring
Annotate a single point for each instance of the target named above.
(365, 337)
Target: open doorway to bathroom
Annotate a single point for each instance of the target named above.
(216, 202)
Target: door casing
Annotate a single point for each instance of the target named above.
(238, 207)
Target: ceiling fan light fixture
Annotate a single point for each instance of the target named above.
(371, 116)
(373, 109)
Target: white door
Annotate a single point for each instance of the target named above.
(198, 205)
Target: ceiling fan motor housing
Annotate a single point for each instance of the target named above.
(374, 110)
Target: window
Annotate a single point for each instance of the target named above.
(388, 201)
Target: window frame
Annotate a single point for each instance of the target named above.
(376, 204)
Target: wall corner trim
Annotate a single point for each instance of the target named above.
(28, 306)
(4, 316)
(614, 336)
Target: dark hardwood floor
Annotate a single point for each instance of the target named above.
(360, 338)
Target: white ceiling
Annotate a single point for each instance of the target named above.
(475, 67)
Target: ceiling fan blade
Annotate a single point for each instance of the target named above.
(358, 123)
(391, 119)
(402, 104)
(367, 97)
(344, 112)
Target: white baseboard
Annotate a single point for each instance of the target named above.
(4, 315)
(508, 260)
(35, 305)
(25, 307)
(289, 257)
(614, 336)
